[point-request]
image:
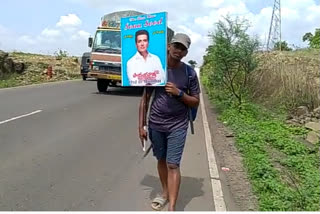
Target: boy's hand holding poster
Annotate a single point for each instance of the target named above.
(144, 50)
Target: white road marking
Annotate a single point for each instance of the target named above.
(218, 198)
(25, 115)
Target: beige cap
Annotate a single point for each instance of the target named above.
(181, 38)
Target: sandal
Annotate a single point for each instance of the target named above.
(158, 203)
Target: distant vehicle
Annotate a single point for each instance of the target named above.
(84, 66)
(105, 60)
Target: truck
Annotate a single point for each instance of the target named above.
(84, 65)
(105, 57)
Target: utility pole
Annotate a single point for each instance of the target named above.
(275, 26)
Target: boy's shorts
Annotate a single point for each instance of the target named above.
(168, 145)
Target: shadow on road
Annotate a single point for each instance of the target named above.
(91, 79)
(189, 188)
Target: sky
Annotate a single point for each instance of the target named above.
(46, 26)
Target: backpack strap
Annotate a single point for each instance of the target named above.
(189, 75)
(150, 102)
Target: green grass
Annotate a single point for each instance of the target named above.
(8, 81)
(35, 65)
(284, 172)
(19, 54)
(308, 52)
(21, 80)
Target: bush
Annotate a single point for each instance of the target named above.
(314, 40)
(61, 54)
(282, 46)
(230, 58)
(286, 80)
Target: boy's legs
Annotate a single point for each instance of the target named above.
(168, 149)
(174, 179)
(159, 147)
(163, 175)
(175, 145)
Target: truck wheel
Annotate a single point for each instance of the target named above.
(102, 85)
(84, 77)
(113, 83)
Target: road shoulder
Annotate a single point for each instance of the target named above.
(236, 187)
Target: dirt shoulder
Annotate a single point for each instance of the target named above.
(20, 69)
(235, 184)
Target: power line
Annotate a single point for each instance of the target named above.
(275, 26)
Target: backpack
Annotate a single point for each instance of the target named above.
(192, 110)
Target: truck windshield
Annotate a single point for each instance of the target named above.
(107, 41)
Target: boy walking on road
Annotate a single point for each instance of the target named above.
(168, 119)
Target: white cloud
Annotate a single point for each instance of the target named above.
(238, 8)
(6, 38)
(194, 36)
(297, 4)
(81, 34)
(203, 21)
(50, 39)
(290, 14)
(3, 30)
(198, 43)
(50, 33)
(313, 13)
(298, 17)
(69, 21)
(27, 40)
(212, 3)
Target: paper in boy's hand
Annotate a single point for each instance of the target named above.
(144, 145)
(147, 151)
(144, 140)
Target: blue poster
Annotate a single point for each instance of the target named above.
(144, 50)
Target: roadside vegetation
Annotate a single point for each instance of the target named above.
(35, 67)
(254, 93)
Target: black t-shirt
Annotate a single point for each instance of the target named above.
(168, 113)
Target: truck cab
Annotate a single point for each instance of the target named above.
(84, 65)
(105, 61)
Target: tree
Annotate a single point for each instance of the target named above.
(60, 54)
(231, 55)
(283, 46)
(314, 40)
(192, 63)
(307, 37)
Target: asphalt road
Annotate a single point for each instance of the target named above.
(63, 146)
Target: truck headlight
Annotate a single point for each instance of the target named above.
(95, 68)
